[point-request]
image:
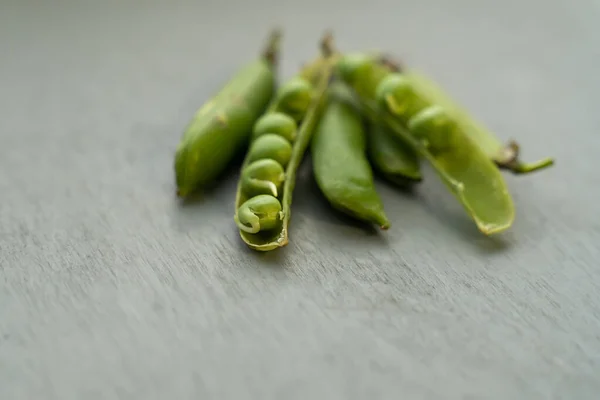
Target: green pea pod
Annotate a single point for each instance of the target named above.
(505, 156)
(392, 157)
(263, 220)
(220, 128)
(340, 165)
(461, 164)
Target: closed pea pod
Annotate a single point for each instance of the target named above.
(392, 157)
(263, 219)
(222, 125)
(434, 132)
(340, 165)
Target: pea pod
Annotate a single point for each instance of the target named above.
(392, 157)
(340, 165)
(505, 156)
(437, 136)
(221, 127)
(262, 218)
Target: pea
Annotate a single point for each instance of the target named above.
(340, 165)
(278, 123)
(439, 138)
(222, 125)
(436, 128)
(260, 213)
(396, 94)
(263, 177)
(294, 97)
(504, 156)
(271, 146)
(262, 231)
(392, 157)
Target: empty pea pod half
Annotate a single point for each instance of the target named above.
(436, 134)
(506, 156)
(268, 174)
(220, 128)
(340, 165)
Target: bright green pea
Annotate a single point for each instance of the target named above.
(352, 66)
(264, 176)
(435, 128)
(270, 146)
(294, 97)
(396, 94)
(278, 123)
(260, 213)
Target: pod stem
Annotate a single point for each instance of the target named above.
(390, 62)
(271, 51)
(510, 160)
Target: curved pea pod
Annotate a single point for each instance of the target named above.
(505, 156)
(340, 165)
(392, 157)
(466, 170)
(221, 127)
(272, 234)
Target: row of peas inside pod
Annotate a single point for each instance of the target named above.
(358, 113)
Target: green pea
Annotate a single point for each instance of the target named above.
(354, 66)
(435, 128)
(395, 92)
(271, 146)
(506, 156)
(278, 123)
(222, 125)
(260, 213)
(295, 97)
(340, 164)
(263, 177)
(392, 156)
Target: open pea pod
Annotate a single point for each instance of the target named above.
(505, 156)
(268, 175)
(435, 134)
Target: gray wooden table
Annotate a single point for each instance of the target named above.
(110, 289)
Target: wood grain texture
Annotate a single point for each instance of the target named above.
(110, 289)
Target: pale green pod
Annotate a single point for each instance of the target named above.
(435, 128)
(273, 146)
(260, 213)
(295, 97)
(396, 94)
(277, 123)
(264, 176)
